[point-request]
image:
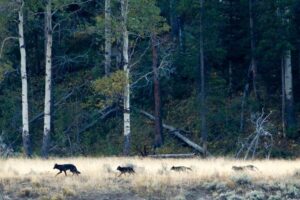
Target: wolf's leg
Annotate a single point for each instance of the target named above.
(65, 173)
(58, 173)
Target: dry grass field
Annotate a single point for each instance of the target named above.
(209, 179)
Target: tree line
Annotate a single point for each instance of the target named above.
(210, 69)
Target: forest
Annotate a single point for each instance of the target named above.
(146, 77)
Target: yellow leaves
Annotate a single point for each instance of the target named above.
(110, 88)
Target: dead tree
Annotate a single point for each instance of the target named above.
(177, 133)
(260, 139)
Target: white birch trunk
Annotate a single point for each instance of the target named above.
(25, 122)
(288, 75)
(107, 37)
(124, 10)
(47, 109)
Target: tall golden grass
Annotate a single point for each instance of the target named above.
(152, 175)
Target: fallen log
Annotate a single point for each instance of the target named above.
(183, 155)
(176, 132)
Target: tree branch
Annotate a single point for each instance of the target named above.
(3, 43)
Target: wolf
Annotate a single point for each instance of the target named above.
(180, 168)
(251, 167)
(247, 167)
(65, 167)
(125, 170)
(237, 168)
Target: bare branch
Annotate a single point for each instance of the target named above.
(140, 58)
(259, 139)
(165, 67)
(4, 41)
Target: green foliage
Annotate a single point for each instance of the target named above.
(110, 88)
(144, 18)
(4, 69)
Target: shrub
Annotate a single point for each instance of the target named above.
(57, 197)
(68, 192)
(242, 179)
(297, 173)
(25, 192)
(291, 191)
(230, 195)
(277, 196)
(255, 195)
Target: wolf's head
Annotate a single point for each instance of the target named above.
(55, 166)
(172, 168)
(119, 168)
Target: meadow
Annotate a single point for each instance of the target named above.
(209, 179)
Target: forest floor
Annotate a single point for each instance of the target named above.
(209, 179)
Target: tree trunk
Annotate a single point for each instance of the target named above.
(202, 87)
(230, 79)
(253, 60)
(25, 126)
(48, 80)
(283, 98)
(118, 54)
(181, 35)
(173, 18)
(252, 68)
(158, 141)
(124, 10)
(288, 90)
(107, 37)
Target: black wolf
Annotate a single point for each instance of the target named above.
(125, 170)
(65, 167)
(180, 168)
